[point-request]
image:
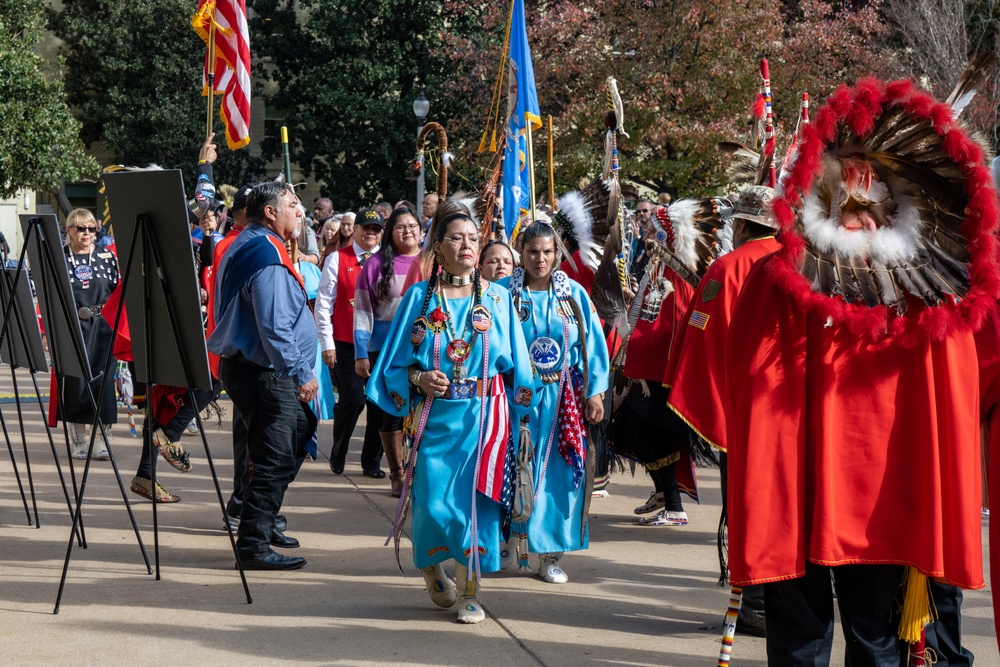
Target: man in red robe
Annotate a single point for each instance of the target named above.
(696, 372)
(851, 423)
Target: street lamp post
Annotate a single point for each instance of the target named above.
(421, 107)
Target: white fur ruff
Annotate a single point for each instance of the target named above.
(893, 244)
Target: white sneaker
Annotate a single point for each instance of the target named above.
(600, 493)
(439, 586)
(654, 503)
(549, 570)
(471, 612)
(192, 428)
(665, 518)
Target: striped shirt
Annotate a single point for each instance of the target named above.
(372, 316)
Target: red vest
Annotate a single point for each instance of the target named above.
(343, 308)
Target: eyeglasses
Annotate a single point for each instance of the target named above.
(406, 228)
(86, 230)
(645, 210)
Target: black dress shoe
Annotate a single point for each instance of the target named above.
(337, 468)
(279, 539)
(744, 628)
(376, 473)
(280, 523)
(271, 560)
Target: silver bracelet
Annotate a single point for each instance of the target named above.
(415, 380)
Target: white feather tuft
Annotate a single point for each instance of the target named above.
(447, 159)
(725, 236)
(470, 203)
(682, 214)
(574, 208)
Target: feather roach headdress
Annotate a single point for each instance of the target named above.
(574, 224)
(685, 237)
(889, 203)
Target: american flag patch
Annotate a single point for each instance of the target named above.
(698, 319)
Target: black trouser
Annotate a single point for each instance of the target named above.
(174, 428)
(278, 427)
(944, 635)
(665, 482)
(800, 616)
(386, 421)
(241, 465)
(350, 404)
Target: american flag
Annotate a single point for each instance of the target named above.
(496, 443)
(232, 63)
(699, 319)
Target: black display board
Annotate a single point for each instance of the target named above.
(158, 196)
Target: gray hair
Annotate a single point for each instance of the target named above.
(265, 194)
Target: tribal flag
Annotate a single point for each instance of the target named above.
(522, 105)
(496, 443)
(232, 63)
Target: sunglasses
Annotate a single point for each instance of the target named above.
(86, 230)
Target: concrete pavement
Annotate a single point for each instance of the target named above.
(638, 596)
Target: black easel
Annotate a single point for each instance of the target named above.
(25, 350)
(69, 355)
(148, 210)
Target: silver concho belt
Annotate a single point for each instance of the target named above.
(89, 312)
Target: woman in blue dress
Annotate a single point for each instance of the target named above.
(570, 358)
(455, 361)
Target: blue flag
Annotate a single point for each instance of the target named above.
(522, 104)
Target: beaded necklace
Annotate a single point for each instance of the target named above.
(458, 349)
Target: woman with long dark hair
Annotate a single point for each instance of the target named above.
(569, 355)
(377, 296)
(456, 362)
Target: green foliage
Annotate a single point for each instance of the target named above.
(134, 70)
(40, 143)
(347, 76)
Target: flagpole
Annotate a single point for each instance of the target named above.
(288, 179)
(531, 169)
(211, 76)
(552, 169)
(287, 154)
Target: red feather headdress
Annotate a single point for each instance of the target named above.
(877, 120)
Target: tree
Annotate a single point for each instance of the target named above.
(346, 76)
(941, 37)
(687, 71)
(134, 70)
(40, 144)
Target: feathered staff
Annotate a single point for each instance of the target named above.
(442, 179)
(765, 74)
(427, 256)
(611, 276)
(793, 146)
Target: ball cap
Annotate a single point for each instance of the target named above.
(369, 217)
(240, 198)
